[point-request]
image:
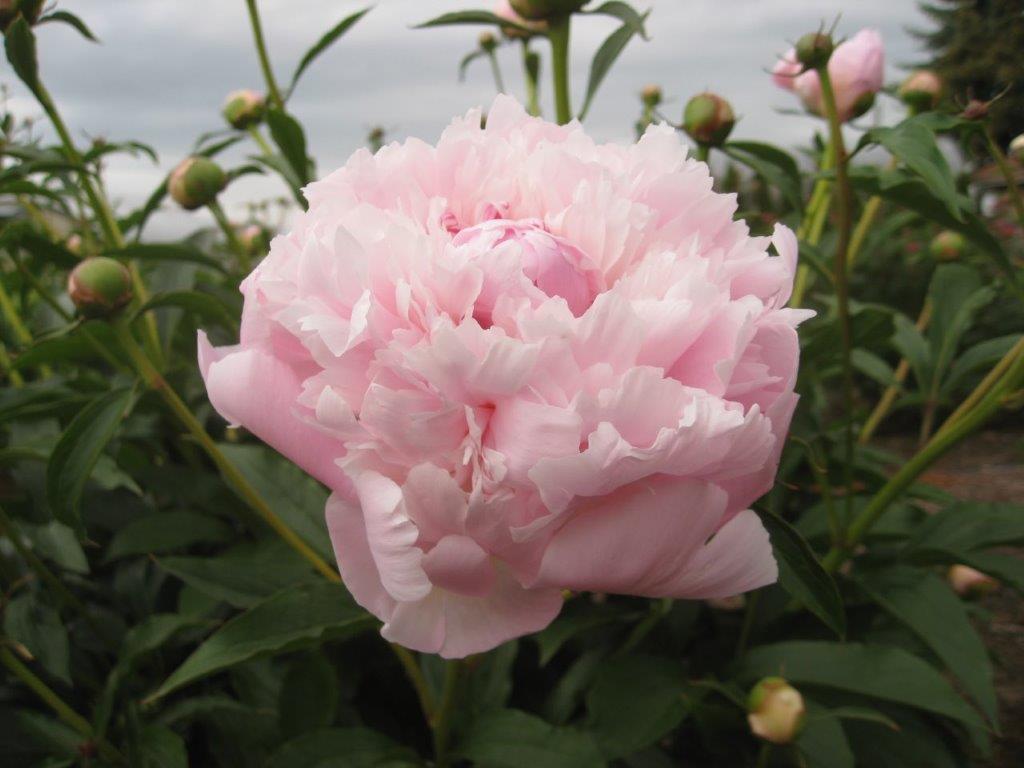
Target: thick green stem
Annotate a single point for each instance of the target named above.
(441, 722)
(1012, 190)
(985, 386)
(558, 34)
(844, 214)
(261, 51)
(951, 433)
(230, 235)
(57, 704)
(864, 224)
(261, 142)
(531, 74)
(702, 152)
(499, 83)
(812, 225)
(7, 367)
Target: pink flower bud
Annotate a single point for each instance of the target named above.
(11, 9)
(651, 96)
(503, 9)
(947, 246)
(968, 582)
(243, 109)
(195, 182)
(543, 10)
(100, 286)
(776, 710)
(922, 91)
(1017, 148)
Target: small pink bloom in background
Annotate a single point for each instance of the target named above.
(969, 582)
(856, 69)
(504, 9)
(523, 362)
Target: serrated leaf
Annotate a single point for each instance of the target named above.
(79, 448)
(605, 57)
(927, 606)
(65, 17)
(802, 576)
(509, 738)
(166, 532)
(293, 618)
(325, 42)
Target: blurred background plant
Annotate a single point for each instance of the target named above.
(170, 596)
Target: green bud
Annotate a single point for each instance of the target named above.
(947, 246)
(196, 182)
(31, 10)
(243, 109)
(814, 49)
(776, 710)
(651, 96)
(1017, 149)
(488, 42)
(543, 10)
(100, 286)
(922, 91)
(708, 119)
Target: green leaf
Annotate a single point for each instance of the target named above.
(79, 448)
(914, 144)
(167, 532)
(468, 59)
(654, 689)
(160, 747)
(913, 346)
(776, 166)
(300, 616)
(324, 43)
(508, 738)
(968, 525)
(886, 673)
(874, 367)
(158, 252)
(917, 744)
(624, 12)
(291, 140)
(343, 748)
(823, 742)
(579, 617)
(26, 737)
(245, 575)
(294, 496)
(470, 17)
(309, 694)
(64, 17)
(20, 46)
(1008, 569)
(57, 542)
(802, 576)
(605, 57)
(203, 305)
(956, 294)
(38, 627)
(926, 605)
(981, 356)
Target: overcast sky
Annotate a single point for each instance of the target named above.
(164, 67)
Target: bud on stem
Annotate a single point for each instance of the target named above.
(776, 710)
(814, 49)
(244, 109)
(100, 286)
(544, 10)
(708, 119)
(196, 182)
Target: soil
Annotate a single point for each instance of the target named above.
(990, 467)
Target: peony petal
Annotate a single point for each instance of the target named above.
(458, 564)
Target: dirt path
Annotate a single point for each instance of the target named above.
(990, 467)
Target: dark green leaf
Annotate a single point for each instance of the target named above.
(166, 532)
(470, 17)
(956, 294)
(27, 737)
(508, 738)
(578, 617)
(309, 694)
(605, 57)
(823, 742)
(872, 366)
(300, 616)
(981, 356)
(20, 46)
(324, 43)
(624, 12)
(342, 748)
(968, 525)
(79, 448)
(917, 744)
(158, 252)
(38, 627)
(203, 305)
(1008, 569)
(773, 164)
(160, 747)
(70, 19)
(291, 140)
(926, 605)
(802, 576)
(468, 59)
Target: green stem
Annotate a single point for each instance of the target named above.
(702, 152)
(10, 314)
(748, 622)
(261, 142)
(261, 51)
(499, 83)
(951, 433)
(57, 704)
(558, 34)
(812, 225)
(7, 367)
(763, 755)
(531, 74)
(840, 271)
(985, 386)
(441, 723)
(232, 237)
(419, 682)
(234, 477)
(1011, 183)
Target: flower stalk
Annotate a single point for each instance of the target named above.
(441, 722)
(229, 233)
(261, 51)
(531, 75)
(558, 34)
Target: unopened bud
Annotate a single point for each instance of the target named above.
(975, 110)
(947, 246)
(243, 109)
(196, 182)
(775, 710)
(74, 243)
(254, 239)
(543, 10)
(1017, 148)
(968, 582)
(99, 286)
(922, 91)
(708, 119)
(651, 96)
(814, 49)
(488, 42)
(30, 10)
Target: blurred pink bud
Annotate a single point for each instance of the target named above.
(968, 582)
(503, 8)
(776, 711)
(1017, 148)
(922, 91)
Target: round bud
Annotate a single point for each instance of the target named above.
(775, 710)
(254, 239)
(968, 582)
(975, 110)
(922, 91)
(243, 109)
(74, 243)
(814, 49)
(651, 96)
(708, 119)
(30, 10)
(196, 182)
(100, 286)
(947, 246)
(1017, 148)
(543, 10)
(488, 42)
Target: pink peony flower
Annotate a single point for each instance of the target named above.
(523, 362)
(856, 69)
